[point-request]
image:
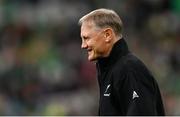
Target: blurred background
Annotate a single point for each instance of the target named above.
(43, 70)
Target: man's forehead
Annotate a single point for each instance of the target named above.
(87, 25)
(84, 33)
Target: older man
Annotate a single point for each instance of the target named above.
(126, 85)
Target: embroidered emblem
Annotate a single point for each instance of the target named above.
(135, 95)
(106, 91)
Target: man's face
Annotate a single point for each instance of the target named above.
(93, 41)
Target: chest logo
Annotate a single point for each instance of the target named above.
(106, 93)
(135, 95)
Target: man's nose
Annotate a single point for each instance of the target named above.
(84, 45)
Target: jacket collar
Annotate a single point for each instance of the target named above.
(119, 49)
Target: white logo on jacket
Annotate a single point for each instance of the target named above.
(106, 91)
(135, 95)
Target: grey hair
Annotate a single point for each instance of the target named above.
(104, 18)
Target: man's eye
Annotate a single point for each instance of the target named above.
(86, 38)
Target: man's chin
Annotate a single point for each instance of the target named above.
(92, 59)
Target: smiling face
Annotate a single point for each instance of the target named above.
(93, 40)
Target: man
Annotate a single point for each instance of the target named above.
(126, 85)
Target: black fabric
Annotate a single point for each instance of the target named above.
(126, 85)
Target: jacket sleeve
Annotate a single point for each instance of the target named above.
(135, 92)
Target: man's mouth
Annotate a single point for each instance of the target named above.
(89, 50)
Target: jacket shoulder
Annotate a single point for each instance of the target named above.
(132, 68)
(128, 62)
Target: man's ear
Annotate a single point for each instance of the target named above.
(108, 34)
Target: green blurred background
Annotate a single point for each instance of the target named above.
(43, 70)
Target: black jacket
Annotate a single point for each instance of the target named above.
(126, 85)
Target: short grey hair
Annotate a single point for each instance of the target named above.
(104, 18)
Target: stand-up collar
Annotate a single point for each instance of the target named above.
(119, 49)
